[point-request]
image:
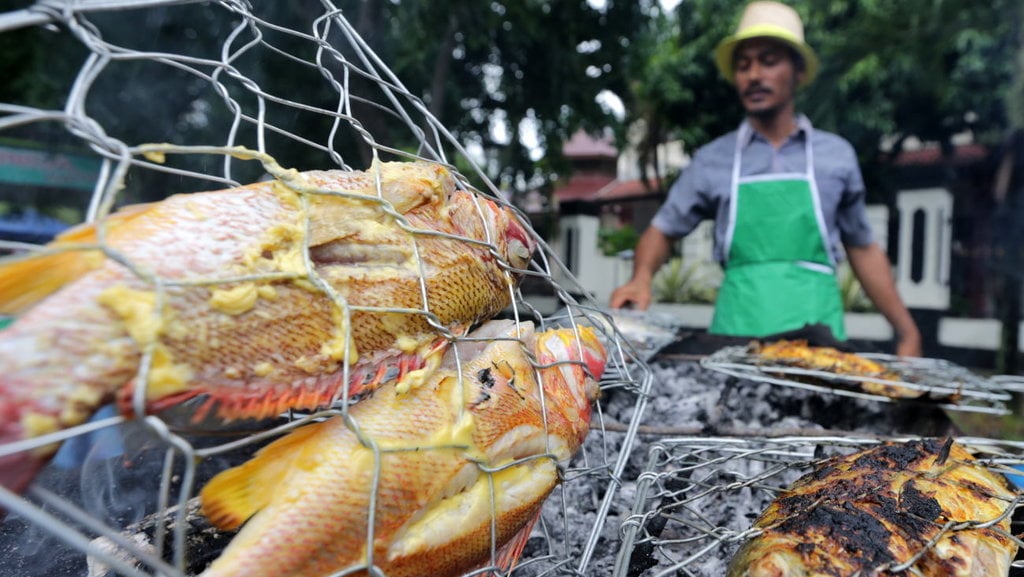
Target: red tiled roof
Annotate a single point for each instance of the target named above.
(623, 189)
(582, 145)
(582, 187)
(602, 189)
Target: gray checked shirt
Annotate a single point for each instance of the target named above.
(703, 189)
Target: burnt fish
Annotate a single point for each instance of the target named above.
(884, 508)
(287, 294)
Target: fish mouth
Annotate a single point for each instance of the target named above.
(519, 245)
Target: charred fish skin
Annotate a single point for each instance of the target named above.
(400, 260)
(871, 511)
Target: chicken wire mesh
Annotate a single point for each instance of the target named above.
(697, 499)
(120, 496)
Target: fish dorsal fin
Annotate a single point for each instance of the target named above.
(235, 495)
(26, 281)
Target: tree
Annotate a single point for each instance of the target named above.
(475, 65)
(921, 68)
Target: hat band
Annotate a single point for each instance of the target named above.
(769, 30)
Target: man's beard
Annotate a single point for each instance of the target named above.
(765, 114)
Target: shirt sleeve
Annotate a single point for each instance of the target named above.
(688, 203)
(852, 218)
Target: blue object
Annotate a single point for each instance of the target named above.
(101, 444)
(1017, 479)
(30, 226)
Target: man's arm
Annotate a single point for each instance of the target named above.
(651, 252)
(874, 271)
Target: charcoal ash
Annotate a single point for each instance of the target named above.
(688, 399)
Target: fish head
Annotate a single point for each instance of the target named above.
(481, 218)
(571, 362)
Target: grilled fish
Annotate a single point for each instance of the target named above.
(435, 511)
(827, 359)
(870, 512)
(260, 298)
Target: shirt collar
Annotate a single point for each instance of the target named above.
(803, 125)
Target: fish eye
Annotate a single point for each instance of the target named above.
(519, 253)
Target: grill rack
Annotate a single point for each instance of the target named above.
(338, 57)
(969, 392)
(697, 497)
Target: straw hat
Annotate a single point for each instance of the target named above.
(772, 20)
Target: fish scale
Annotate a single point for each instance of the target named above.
(305, 498)
(241, 322)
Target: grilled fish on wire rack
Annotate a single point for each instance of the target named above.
(873, 376)
(436, 511)
(259, 298)
(876, 377)
(921, 506)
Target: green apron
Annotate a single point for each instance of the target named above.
(779, 272)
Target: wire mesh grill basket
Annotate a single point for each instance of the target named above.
(121, 495)
(934, 381)
(698, 497)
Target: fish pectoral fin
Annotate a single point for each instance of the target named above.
(235, 495)
(509, 554)
(26, 281)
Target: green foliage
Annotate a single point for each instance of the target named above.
(473, 64)
(612, 241)
(915, 67)
(674, 89)
(677, 282)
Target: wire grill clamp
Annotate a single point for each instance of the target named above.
(233, 124)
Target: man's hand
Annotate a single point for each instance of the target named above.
(652, 250)
(636, 293)
(873, 270)
(909, 345)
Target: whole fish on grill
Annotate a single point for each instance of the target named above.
(258, 299)
(872, 511)
(864, 373)
(306, 499)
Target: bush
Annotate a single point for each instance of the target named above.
(679, 283)
(612, 241)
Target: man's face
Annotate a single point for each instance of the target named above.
(766, 76)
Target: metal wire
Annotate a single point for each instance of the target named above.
(936, 381)
(697, 497)
(154, 538)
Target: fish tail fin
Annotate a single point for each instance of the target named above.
(238, 493)
(26, 281)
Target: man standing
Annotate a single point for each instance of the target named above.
(783, 197)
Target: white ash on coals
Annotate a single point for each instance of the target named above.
(687, 399)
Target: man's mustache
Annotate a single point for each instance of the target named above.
(756, 89)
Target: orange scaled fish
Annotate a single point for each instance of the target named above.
(260, 298)
(306, 499)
